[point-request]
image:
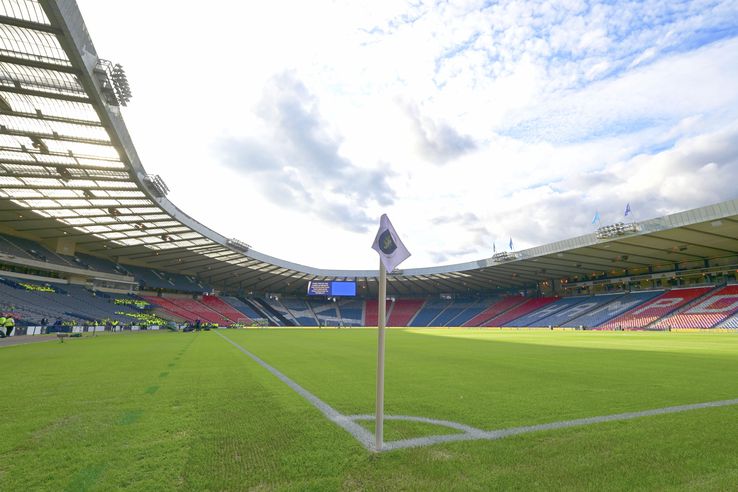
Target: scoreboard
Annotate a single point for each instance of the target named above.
(347, 289)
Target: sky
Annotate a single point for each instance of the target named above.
(292, 125)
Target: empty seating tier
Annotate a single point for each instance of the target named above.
(657, 308)
(494, 310)
(404, 310)
(718, 306)
(609, 310)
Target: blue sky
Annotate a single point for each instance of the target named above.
(294, 125)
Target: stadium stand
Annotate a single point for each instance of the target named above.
(472, 309)
(224, 309)
(452, 311)
(352, 312)
(98, 264)
(170, 309)
(430, 310)
(371, 312)
(154, 279)
(275, 310)
(655, 309)
(326, 312)
(561, 311)
(731, 322)
(249, 310)
(31, 250)
(65, 302)
(708, 312)
(496, 309)
(300, 312)
(526, 307)
(203, 312)
(609, 310)
(403, 311)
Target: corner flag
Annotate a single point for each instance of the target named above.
(391, 253)
(389, 246)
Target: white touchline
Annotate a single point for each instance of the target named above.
(468, 433)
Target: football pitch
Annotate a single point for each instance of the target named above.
(194, 411)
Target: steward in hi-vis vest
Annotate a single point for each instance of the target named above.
(9, 326)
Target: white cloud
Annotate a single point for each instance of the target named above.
(539, 113)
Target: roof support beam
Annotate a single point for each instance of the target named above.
(30, 25)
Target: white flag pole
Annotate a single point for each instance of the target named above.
(382, 307)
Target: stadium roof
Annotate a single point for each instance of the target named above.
(69, 173)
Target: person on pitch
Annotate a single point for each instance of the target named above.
(9, 325)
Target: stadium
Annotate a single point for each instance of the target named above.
(176, 358)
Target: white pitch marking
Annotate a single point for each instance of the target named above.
(362, 435)
(366, 439)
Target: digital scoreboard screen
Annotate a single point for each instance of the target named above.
(346, 289)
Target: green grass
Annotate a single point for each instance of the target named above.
(175, 411)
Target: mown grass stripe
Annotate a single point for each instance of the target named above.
(362, 435)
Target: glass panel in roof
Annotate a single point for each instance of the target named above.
(40, 79)
(28, 44)
(22, 193)
(39, 204)
(144, 210)
(98, 173)
(59, 160)
(85, 162)
(27, 10)
(102, 203)
(96, 228)
(129, 242)
(82, 149)
(119, 227)
(135, 233)
(92, 211)
(78, 221)
(119, 193)
(9, 142)
(9, 155)
(53, 128)
(81, 183)
(59, 213)
(200, 242)
(115, 184)
(74, 203)
(162, 246)
(190, 235)
(112, 235)
(63, 193)
(24, 103)
(42, 182)
(7, 180)
(24, 169)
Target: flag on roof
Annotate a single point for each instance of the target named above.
(389, 246)
(494, 248)
(511, 245)
(596, 218)
(627, 209)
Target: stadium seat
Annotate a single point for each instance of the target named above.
(651, 311)
(709, 311)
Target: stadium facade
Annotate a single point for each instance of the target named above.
(72, 184)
